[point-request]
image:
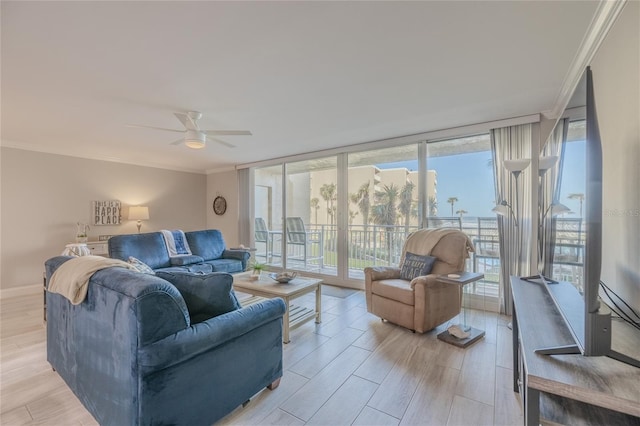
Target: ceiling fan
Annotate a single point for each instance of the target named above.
(194, 137)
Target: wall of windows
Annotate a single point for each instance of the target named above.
(335, 215)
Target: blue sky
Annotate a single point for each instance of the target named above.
(469, 178)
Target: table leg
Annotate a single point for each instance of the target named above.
(319, 304)
(285, 322)
(516, 350)
(532, 407)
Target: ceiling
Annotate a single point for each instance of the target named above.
(302, 76)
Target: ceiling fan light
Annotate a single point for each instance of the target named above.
(195, 144)
(195, 139)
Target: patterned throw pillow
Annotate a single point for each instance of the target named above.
(140, 266)
(415, 265)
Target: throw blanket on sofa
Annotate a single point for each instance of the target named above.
(71, 279)
(424, 245)
(176, 243)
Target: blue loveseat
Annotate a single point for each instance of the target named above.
(209, 252)
(134, 354)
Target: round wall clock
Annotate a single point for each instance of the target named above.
(219, 205)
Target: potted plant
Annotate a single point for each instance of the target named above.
(258, 268)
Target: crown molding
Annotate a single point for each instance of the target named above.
(73, 153)
(603, 20)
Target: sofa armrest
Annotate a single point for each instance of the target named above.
(236, 254)
(242, 255)
(207, 335)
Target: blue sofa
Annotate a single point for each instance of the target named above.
(133, 355)
(209, 252)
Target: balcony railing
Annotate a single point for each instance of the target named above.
(380, 245)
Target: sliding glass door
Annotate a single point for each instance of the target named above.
(464, 200)
(311, 216)
(335, 215)
(268, 215)
(383, 196)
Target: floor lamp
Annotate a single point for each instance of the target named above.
(503, 208)
(552, 210)
(516, 167)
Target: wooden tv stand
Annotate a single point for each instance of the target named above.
(569, 389)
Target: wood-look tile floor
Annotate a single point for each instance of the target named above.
(351, 369)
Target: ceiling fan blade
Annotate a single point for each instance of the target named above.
(153, 127)
(222, 142)
(186, 120)
(178, 142)
(228, 132)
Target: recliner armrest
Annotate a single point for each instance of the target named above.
(377, 273)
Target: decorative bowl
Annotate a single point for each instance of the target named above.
(284, 277)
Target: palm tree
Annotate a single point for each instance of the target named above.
(364, 203)
(577, 196)
(328, 194)
(315, 205)
(406, 203)
(385, 212)
(433, 206)
(461, 212)
(452, 201)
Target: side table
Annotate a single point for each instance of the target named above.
(462, 279)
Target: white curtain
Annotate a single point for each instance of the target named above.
(550, 183)
(245, 224)
(514, 229)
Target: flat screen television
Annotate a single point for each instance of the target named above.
(587, 318)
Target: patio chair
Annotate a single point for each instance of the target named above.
(261, 235)
(310, 242)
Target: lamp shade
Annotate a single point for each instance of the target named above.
(557, 209)
(516, 165)
(138, 213)
(545, 163)
(501, 210)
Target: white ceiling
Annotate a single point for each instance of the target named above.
(302, 76)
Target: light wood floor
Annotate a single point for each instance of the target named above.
(351, 369)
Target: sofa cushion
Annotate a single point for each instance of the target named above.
(207, 244)
(140, 266)
(149, 248)
(225, 265)
(206, 295)
(414, 265)
(186, 259)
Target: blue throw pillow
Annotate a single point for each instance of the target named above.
(206, 295)
(415, 265)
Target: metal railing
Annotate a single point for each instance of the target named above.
(381, 245)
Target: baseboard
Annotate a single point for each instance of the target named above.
(25, 290)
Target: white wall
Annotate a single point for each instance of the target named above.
(226, 185)
(44, 195)
(616, 71)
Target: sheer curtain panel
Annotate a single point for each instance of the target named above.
(511, 148)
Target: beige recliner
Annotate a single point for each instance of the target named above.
(423, 303)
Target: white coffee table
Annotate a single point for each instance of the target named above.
(294, 316)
